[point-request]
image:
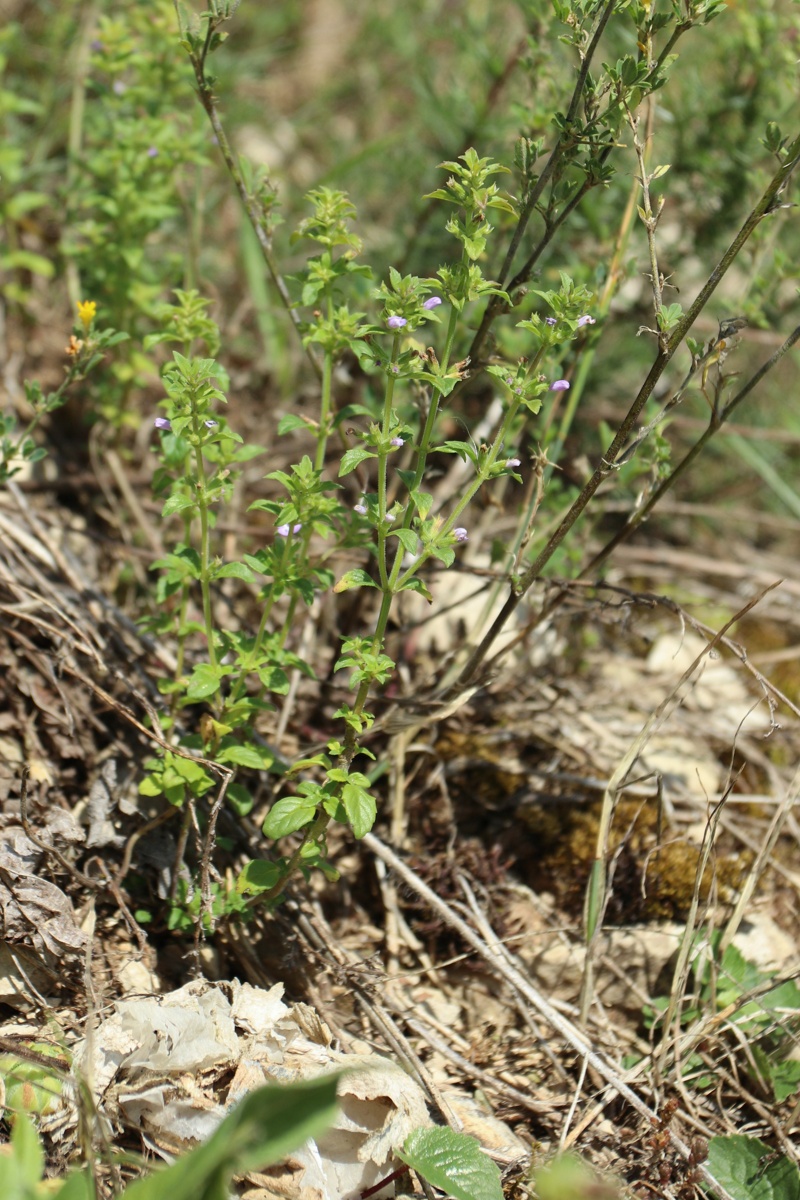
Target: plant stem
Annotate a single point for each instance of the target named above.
(205, 588)
(254, 212)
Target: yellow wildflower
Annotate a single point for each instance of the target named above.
(86, 311)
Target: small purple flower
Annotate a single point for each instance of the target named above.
(96, 45)
(284, 531)
(360, 508)
(550, 321)
(432, 302)
(210, 424)
(152, 152)
(118, 88)
(163, 423)
(512, 462)
(460, 534)
(397, 442)
(509, 380)
(395, 322)
(585, 321)
(560, 385)
(390, 517)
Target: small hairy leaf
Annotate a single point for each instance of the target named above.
(453, 1162)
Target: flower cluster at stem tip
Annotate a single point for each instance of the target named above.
(395, 321)
(87, 310)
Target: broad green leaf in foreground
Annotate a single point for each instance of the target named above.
(745, 1168)
(266, 1125)
(453, 1162)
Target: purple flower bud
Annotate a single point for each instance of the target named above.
(152, 152)
(550, 321)
(283, 530)
(586, 321)
(163, 423)
(512, 462)
(390, 517)
(460, 534)
(360, 508)
(397, 441)
(560, 385)
(432, 302)
(210, 424)
(96, 45)
(509, 380)
(395, 322)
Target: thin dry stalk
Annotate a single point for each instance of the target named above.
(777, 823)
(683, 964)
(597, 889)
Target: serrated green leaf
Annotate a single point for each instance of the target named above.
(246, 756)
(234, 570)
(352, 458)
(290, 422)
(358, 577)
(742, 1165)
(288, 815)
(417, 585)
(408, 538)
(453, 1162)
(203, 682)
(257, 876)
(360, 807)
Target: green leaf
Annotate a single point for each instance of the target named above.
(453, 1162)
(177, 503)
(77, 1186)
(239, 799)
(352, 458)
(258, 876)
(150, 786)
(360, 807)
(261, 1130)
(417, 585)
(234, 570)
(408, 539)
(274, 679)
(27, 260)
(288, 815)
(27, 1149)
(204, 681)
(784, 1076)
(742, 1166)
(358, 577)
(260, 759)
(291, 422)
